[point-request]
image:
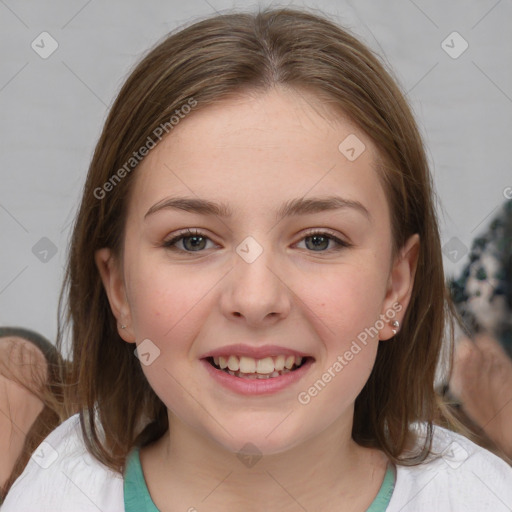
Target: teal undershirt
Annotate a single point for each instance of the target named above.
(138, 499)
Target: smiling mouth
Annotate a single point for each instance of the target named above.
(249, 368)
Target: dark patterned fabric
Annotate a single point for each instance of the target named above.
(483, 292)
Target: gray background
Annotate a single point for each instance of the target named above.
(53, 109)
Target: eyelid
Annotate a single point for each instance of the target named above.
(324, 231)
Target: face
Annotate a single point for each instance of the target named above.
(280, 278)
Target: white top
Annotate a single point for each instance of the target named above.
(62, 476)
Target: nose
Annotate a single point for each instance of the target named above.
(256, 290)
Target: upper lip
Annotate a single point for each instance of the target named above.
(259, 352)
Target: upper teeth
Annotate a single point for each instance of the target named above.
(250, 365)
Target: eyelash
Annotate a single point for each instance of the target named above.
(189, 233)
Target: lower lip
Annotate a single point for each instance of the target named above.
(257, 386)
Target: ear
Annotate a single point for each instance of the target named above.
(400, 284)
(113, 282)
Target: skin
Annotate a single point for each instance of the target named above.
(254, 153)
(482, 381)
(19, 407)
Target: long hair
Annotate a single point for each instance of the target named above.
(208, 61)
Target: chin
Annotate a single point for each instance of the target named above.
(259, 438)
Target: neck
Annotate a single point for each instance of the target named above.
(184, 470)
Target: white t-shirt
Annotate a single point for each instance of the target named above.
(63, 477)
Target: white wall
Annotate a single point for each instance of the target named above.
(52, 112)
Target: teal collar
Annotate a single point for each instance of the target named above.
(381, 501)
(138, 499)
(136, 493)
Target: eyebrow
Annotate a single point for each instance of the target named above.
(299, 206)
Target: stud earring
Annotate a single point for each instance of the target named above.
(123, 326)
(395, 324)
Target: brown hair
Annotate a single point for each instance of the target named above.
(212, 60)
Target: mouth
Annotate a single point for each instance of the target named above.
(255, 369)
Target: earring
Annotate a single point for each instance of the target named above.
(123, 326)
(395, 324)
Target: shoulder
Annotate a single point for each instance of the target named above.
(62, 475)
(458, 476)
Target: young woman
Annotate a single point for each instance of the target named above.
(256, 291)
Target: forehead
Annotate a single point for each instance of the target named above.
(274, 146)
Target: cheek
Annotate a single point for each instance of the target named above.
(164, 300)
(348, 300)
(167, 307)
(345, 314)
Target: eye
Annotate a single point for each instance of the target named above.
(194, 241)
(196, 238)
(321, 239)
